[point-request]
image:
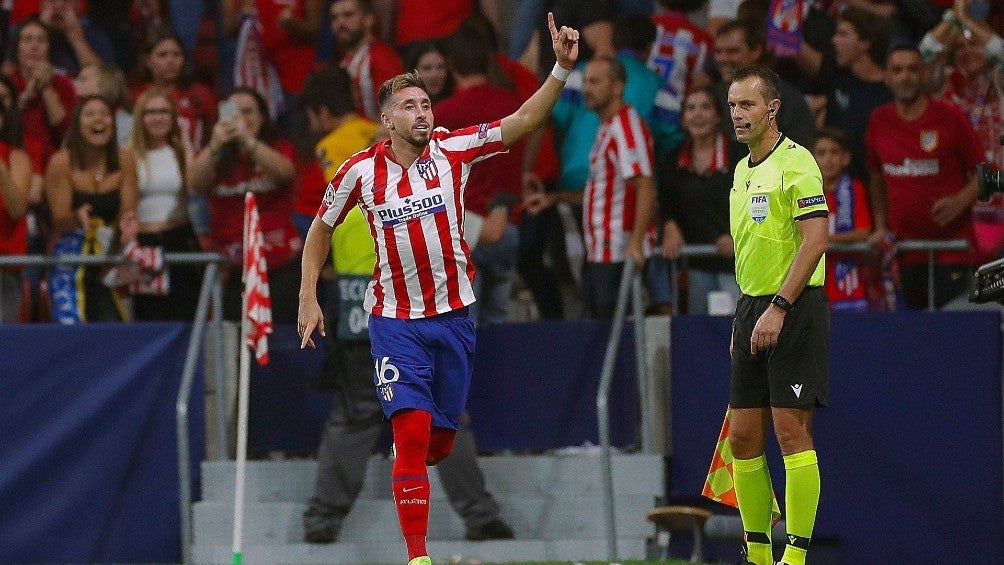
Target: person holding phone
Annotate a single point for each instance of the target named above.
(246, 154)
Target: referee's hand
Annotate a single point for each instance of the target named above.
(767, 329)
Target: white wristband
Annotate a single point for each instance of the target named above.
(560, 73)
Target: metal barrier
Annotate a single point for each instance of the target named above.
(211, 288)
(929, 246)
(630, 278)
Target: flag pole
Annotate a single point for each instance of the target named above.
(243, 395)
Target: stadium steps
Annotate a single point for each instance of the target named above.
(553, 503)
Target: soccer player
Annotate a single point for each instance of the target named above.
(779, 345)
(411, 190)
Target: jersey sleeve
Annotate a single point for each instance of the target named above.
(341, 195)
(474, 143)
(803, 184)
(634, 150)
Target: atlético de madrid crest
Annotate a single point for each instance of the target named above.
(929, 140)
(427, 168)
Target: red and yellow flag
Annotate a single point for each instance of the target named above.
(720, 486)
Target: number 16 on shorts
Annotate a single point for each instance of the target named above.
(385, 383)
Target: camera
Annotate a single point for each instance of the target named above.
(988, 284)
(988, 180)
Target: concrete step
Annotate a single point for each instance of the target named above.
(532, 518)
(392, 550)
(578, 474)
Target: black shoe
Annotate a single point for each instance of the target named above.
(496, 529)
(321, 535)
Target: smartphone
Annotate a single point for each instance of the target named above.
(227, 109)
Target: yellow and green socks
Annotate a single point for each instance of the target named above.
(801, 498)
(755, 497)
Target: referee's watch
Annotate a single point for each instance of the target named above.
(781, 302)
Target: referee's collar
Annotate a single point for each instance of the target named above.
(749, 160)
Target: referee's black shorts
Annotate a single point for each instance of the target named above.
(793, 373)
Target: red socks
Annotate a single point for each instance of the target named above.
(410, 478)
(440, 445)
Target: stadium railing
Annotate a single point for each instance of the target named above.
(931, 247)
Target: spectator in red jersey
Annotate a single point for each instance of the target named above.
(493, 187)
(850, 222)
(75, 41)
(163, 67)
(369, 62)
(922, 154)
(246, 154)
(289, 30)
(429, 61)
(15, 180)
(45, 98)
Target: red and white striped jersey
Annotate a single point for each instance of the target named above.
(622, 150)
(416, 220)
(368, 67)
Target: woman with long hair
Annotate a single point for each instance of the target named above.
(162, 155)
(163, 66)
(90, 185)
(15, 179)
(694, 185)
(246, 154)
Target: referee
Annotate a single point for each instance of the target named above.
(780, 335)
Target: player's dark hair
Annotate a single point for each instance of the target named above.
(397, 84)
(834, 134)
(329, 88)
(768, 80)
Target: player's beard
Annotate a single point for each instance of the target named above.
(419, 139)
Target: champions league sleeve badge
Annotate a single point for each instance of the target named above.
(759, 207)
(329, 196)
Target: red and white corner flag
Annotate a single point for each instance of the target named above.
(257, 304)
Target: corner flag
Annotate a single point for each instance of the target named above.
(258, 304)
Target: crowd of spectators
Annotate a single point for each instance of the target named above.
(137, 125)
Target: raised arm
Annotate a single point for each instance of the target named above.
(534, 112)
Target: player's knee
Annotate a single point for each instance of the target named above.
(793, 438)
(440, 445)
(411, 432)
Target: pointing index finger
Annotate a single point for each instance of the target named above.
(551, 26)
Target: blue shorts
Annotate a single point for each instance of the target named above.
(424, 364)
